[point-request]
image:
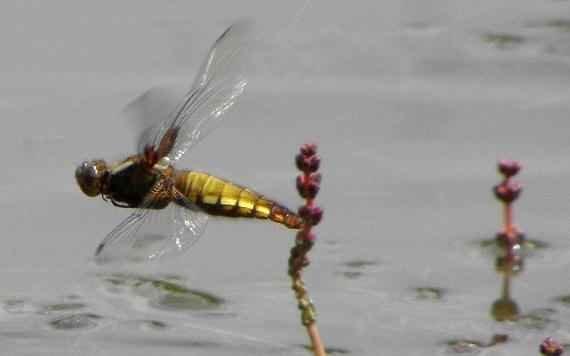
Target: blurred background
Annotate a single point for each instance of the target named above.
(411, 105)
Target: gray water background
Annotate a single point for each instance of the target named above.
(411, 104)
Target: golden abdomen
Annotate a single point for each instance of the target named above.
(220, 197)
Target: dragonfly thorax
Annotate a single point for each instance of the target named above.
(129, 182)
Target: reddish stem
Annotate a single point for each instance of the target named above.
(316, 340)
(508, 217)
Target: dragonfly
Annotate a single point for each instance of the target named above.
(171, 206)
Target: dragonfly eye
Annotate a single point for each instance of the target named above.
(88, 176)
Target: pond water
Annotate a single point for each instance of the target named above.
(411, 104)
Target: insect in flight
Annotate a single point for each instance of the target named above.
(171, 206)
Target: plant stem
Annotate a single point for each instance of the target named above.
(315, 340)
(308, 186)
(508, 217)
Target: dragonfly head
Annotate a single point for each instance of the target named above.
(90, 176)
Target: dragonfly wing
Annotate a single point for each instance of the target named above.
(152, 106)
(149, 234)
(220, 82)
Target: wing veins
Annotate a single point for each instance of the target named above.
(220, 81)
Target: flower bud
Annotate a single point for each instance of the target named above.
(313, 163)
(310, 238)
(549, 347)
(312, 190)
(315, 177)
(509, 168)
(307, 163)
(300, 162)
(508, 192)
(308, 149)
(304, 211)
(300, 181)
(305, 240)
(311, 214)
(295, 252)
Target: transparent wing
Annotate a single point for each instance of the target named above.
(220, 82)
(151, 107)
(150, 234)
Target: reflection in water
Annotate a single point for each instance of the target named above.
(465, 346)
(162, 293)
(67, 321)
(154, 325)
(539, 319)
(189, 301)
(505, 308)
(355, 269)
(564, 300)
(62, 307)
(75, 322)
(330, 350)
(18, 306)
(504, 41)
(429, 294)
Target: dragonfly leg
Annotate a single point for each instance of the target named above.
(180, 199)
(120, 205)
